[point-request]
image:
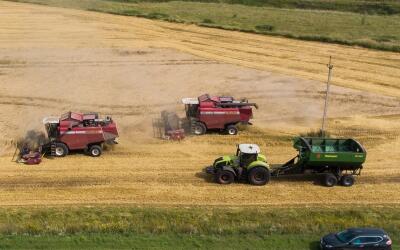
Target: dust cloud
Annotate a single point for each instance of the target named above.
(32, 140)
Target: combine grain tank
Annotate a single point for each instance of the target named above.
(75, 131)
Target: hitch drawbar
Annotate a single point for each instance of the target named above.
(210, 170)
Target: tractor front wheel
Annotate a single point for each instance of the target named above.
(231, 130)
(199, 128)
(61, 150)
(347, 180)
(95, 151)
(224, 177)
(329, 180)
(259, 176)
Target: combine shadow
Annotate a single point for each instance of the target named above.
(71, 152)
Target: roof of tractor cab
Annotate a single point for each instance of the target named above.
(249, 148)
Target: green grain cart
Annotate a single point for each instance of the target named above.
(337, 160)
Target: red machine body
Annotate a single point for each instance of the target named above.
(217, 112)
(81, 131)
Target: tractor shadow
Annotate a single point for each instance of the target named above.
(296, 178)
(209, 178)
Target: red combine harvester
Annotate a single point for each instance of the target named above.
(222, 113)
(205, 113)
(75, 131)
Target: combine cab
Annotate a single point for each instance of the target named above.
(75, 131)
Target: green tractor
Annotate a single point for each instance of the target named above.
(248, 164)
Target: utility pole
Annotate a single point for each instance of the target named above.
(330, 67)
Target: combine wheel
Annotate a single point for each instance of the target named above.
(224, 177)
(61, 149)
(347, 180)
(95, 151)
(259, 176)
(231, 130)
(199, 128)
(329, 180)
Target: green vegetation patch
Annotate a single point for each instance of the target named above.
(184, 228)
(164, 241)
(380, 32)
(192, 220)
(388, 7)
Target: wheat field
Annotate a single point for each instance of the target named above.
(53, 60)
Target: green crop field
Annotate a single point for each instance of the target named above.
(387, 7)
(336, 21)
(163, 241)
(183, 228)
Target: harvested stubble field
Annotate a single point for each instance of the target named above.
(53, 60)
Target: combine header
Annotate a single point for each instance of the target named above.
(205, 113)
(75, 131)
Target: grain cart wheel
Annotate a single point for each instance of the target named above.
(259, 176)
(199, 128)
(329, 180)
(95, 151)
(61, 149)
(231, 130)
(224, 177)
(347, 180)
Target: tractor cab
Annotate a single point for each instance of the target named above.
(247, 153)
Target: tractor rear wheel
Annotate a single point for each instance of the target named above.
(231, 130)
(259, 176)
(61, 149)
(347, 180)
(95, 151)
(224, 177)
(199, 128)
(329, 180)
